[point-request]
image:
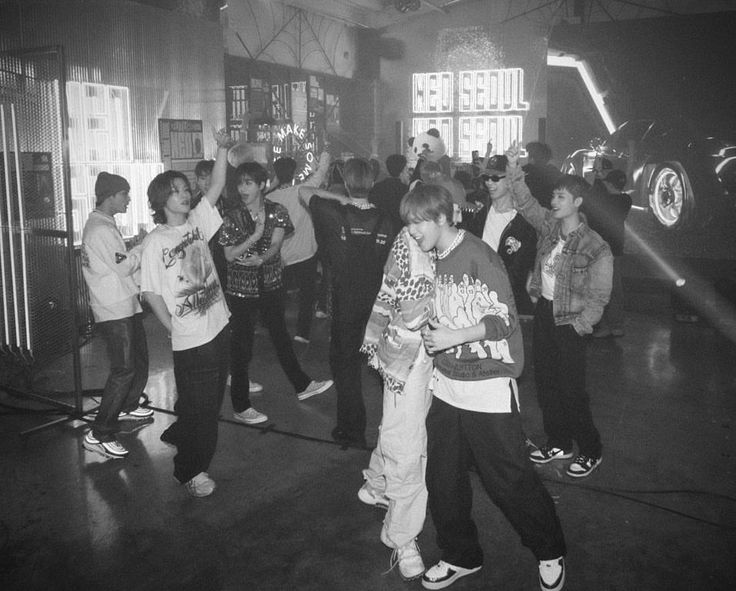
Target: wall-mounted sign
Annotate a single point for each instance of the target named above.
(293, 139)
(492, 90)
(182, 144)
(478, 92)
(432, 92)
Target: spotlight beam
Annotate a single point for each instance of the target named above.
(696, 291)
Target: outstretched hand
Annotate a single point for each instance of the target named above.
(512, 154)
(223, 138)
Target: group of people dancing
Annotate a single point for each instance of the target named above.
(433, 300)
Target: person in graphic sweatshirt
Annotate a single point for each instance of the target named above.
(474, 420)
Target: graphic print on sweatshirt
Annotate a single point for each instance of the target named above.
(464, 304)
(196, 287)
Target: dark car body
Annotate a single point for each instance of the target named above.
(671, 172)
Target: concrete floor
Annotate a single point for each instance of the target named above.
(659, 514)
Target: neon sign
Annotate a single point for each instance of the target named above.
(498, 91)
(294, 140)
(492, 90)
(499, 130)
(432, 92)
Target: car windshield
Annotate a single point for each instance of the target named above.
(631, 130)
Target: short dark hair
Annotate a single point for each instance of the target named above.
(426, 202)
(204, 168)
(159, 191)
(617, 178)
(539, 151)
(284, 168)
(253, 170)
(431, 171)
(576, 185)
(395, 164)
(358, 176)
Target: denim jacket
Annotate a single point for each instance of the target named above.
(583, 283)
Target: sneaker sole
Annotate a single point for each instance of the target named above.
(99, 449)
(409, 578)
(197, 495)
(257, 421)
(306, 396)
(583, 474)
(449, 580)
(545, 461)
(127, 417)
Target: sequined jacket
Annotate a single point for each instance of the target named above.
(237, 226)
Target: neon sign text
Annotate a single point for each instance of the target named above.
(492, 90)
(432, 92)
(501, 130)
(293, 140)
(499, 91)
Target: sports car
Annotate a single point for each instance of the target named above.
(678, 177)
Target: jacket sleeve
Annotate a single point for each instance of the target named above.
(597, 292)
(105, 254)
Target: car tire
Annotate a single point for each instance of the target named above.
(670, 194)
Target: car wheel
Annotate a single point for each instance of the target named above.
(671, 195)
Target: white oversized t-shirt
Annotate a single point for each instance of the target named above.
(178, 266)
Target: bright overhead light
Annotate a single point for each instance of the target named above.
(568, 61)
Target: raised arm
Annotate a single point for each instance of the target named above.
(306, 193)
(224, 143)
(323, 168)
(523, 199)
(484, 162)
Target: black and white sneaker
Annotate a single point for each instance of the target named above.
(137, 414)
(110, 449)
(552, 574)
(443, 574)
(547, 453)
(583, 466)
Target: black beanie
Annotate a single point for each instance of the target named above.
(108, 184)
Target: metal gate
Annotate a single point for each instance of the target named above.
(38, 279)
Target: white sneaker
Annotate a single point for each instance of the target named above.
(300, 339)
(254, 387)
(314, 388)
(372, 496)
(137, 414)
(443, 574)
(552, 574)
(409, 560)
(201, 485)
(110, 449)
(250, 416)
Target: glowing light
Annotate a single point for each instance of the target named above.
(294, 140)
(671, 274)
(492, 90)
(568, 61)
(475, 132)
(680, 282)
(432, 92)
